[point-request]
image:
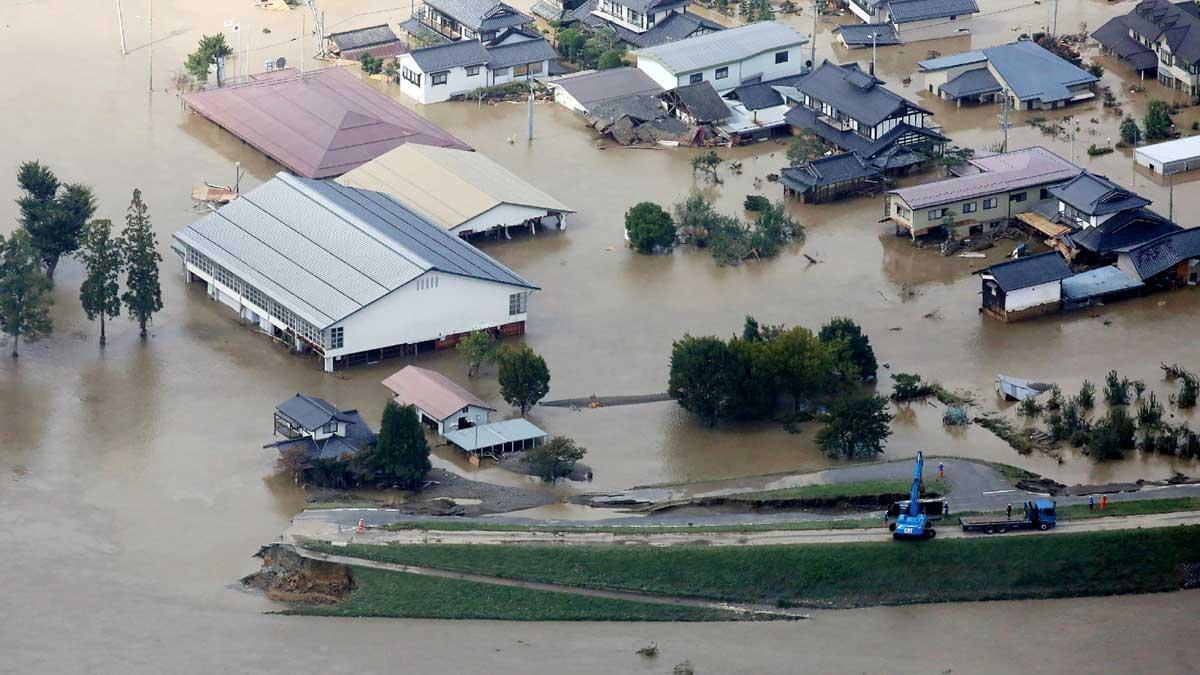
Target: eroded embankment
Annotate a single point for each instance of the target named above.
(286, 576)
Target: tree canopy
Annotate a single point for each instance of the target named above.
(103, 258)
(24, 291)
(199, 62)
(1131, 133)
(704, 377)
(52, 213)
(805, 147)
(143, 296)
(478, 347)
(1157, 121)
(846, 337)
(856, 428)
(650, 228)
(554, 459)
(401, 453)
(524, 377)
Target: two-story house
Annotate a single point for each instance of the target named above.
(1030, 76)
(896, 21)
(1158, 36)
(637, 23)
(318, 430)
(727, 59)
(481, 20)
(439, 73)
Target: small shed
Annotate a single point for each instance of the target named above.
(583, 90)
(1025, 287)
(831, 177)
(498, 437)
(1172, 157)
(378, 41)
(441, 404)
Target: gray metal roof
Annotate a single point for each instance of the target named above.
(496, 433)
(852, 92)
(450, 55)
(480, 14)
(726, 46)
(971, 83)
(905, 11)
(1097, 195)
(763, 94)
(1029, 271)
(868, 34)
(310, 412)
(952, 60)
(1159, 255)
(520, 53)
(596, 86)
(325, 251)
(1032, 72)
(363, 37)
(1098, 283)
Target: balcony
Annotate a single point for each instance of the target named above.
(439, 23)
(836, 123)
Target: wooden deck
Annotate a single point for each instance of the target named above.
(1042, 224)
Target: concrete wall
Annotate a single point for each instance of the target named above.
(411, 314)
(934, 29)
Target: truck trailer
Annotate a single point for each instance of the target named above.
(1038, 515)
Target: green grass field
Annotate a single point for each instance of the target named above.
(835, 491)
(396, 594)
(841, 575)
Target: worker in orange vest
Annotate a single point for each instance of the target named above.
(1103, 502)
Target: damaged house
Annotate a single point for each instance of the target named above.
(688, 115)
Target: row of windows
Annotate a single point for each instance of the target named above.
(255, 297)
(411, 75)
(723, 72)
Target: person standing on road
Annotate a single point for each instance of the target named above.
(945, 509)
(941, 469)
(1091, 502)
(1008, 511)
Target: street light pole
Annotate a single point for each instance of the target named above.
(121, 26)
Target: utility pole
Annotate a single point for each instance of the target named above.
(529, 76)
(874, 39)
(1004, 124)
(1054, 21)
(301, 43)
(121, 26)
(1171, 197)
(812, 47)
(150, 47)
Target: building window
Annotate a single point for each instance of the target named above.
(535, 68)
(635, 18)
(472, 71)
(500, 72)
(329, 427)
(1019, 197)
(696, 78)
(516, 304)
(438, 78)
(521, 71)
(722, 73)
(1044, 194)
(411, 76)
(969, 207)
(337, 337)
(935, 214)
(781, 57)
(989, 203)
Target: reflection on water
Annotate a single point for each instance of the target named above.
(134, 487)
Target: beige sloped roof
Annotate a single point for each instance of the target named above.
(450, 187)
(431, 391)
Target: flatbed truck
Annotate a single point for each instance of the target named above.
(1038, 515)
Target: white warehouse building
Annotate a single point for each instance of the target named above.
(352, 275)
(727, 59)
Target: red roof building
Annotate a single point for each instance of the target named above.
(317, 124)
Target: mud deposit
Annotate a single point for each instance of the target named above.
(288, 577)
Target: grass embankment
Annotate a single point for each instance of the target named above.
(396, 594)
(839, 575)
(1132, 507)
(838, 491)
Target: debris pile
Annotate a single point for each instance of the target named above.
(641, 119)
(287, 576)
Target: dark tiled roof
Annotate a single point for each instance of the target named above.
(310, 412)
(641, 107)
(358, 436)
(828, 171)
(1031, 71)
(1123, 230)
(1159, 18)
(1030, 271)
(971, 83)
(598, 86)
(762, 94)
(363, 37)
(671, 29)
(450, 55)
(904, 11)
(520, 53)
(852, 92)
(1097, 195)
(1158, 255)
(702, 102)
(480, 15)
(861, 34)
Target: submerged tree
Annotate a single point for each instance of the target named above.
(805, 147)
(479, 347)
(52, 213)
(211, 47)
(524, 377)
(24, 291)
(143, 296)
(554, 459)
(856, 428)
(847, 337)
(1131, 133)
(102, 255)
(650, 228)
(1157, 121)
(704, 376)
(401, 454)
(707, 164)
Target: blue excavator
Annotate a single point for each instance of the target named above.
(912, 524)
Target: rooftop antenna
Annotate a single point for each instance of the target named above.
(121, 26)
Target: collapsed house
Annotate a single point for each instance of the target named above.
(689, 115)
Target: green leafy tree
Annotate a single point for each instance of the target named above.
(524, 377)
(1116, 390)
(211, 47)
(1087, 395)
(846, 336)
(479, 347)
(142, 296)
(24, 291)
(649, 227)
(103, 257)
(756, 203)
(704, 377)
(401, 454)
(570, 43)
(696, 218)
(1131, 133)
(52, 213)
(554, 459)
(856, 428)
(800, 364)
(1157, 121)
(907, 386)
(953, 156)
(371, 65)
(805, 147)
(610, 59)
(707, 164)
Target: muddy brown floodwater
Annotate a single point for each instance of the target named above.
(133, 489)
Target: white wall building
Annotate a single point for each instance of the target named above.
(1182, 154)
(436, 74)
(765, 50)
(352, 275)
(442, 405)
(464, 192)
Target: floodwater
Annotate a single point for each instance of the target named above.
(133, 489)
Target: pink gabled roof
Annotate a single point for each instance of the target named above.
(318, 124)
(431, 391)
(1001, 172)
